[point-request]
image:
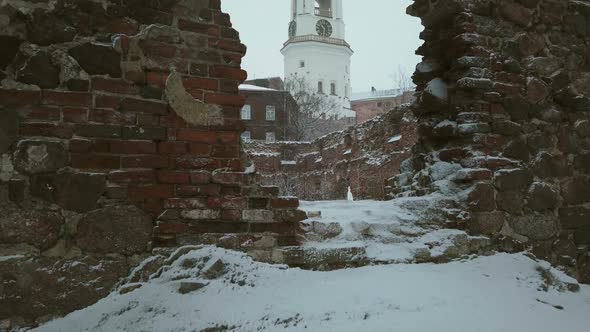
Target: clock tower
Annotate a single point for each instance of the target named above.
(317, 50)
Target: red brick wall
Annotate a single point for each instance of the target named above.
(258, 125)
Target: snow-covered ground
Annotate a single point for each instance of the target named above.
(388, 231)
(227, 291)
(497, 293)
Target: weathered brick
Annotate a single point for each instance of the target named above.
(192, 135)
(157, 78)
(46, 113)
(172, 148)
(46, 129)
(225, 151)
(144, 106)
(145, 133)
(147, 161)
(185, 203)
(112, 102)
(112, 85)
(191, 162)
(19, 97)
(109, 116)
(132, 147)
(75, 115)
(202, 190)
(199, 149)
(98, 130)
(192, 83)
(80, 145)
(133, 176)
(95, 161)
(225, 99)
(228, 73)
(62, 98)
(198, 27)
(229, 178)
(200, 177)
(285, 203)
(173, 177)
(138, 193)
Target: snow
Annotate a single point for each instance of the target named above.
(249, 87)
(485, 294)
(288, 162)
(438, 88)
(394, 139)
(10, 257)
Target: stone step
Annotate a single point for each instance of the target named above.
(435, 247)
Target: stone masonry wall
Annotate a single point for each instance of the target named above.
(504, 103)
(363, 157)
(119, 132)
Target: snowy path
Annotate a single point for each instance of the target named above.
(389, 231)
(486, 294)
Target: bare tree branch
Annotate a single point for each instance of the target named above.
(315, 109)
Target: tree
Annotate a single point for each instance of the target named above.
(315, 110)
(403, 81)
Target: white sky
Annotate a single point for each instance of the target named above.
(379, 31)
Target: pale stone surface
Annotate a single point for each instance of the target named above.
(191, 110)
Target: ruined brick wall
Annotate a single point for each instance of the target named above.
(504, 102)
(363, 157)
(119, 132)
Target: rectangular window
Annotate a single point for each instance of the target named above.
(346, 91)
(270, 113)
(246, 113)
(301, 64)
(270, 137)
(320, 87)
(333, 89)
(246, 136)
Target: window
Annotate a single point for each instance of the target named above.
(246, 113)
(346, 91)
(320, 87)
(246, 136)
(333, 89)
(270, 113)
(301, 64)
(270, 137)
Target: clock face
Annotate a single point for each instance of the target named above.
(324, 28)
(292, 29)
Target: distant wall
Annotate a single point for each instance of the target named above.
(362, 157)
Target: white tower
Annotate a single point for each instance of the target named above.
(317, 50)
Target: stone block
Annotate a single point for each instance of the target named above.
(34, 156)
(123, 230)
(575, 217)
(9, 124)
(97, 59)
(542, 196)
(487, 223)
(510, 179)
(535, 226)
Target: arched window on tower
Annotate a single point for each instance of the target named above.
(323, 8)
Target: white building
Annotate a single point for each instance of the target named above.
(318, 51)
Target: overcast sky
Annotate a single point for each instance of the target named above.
(379, 31)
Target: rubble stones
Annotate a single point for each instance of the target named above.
(487, 223)
(34, 156)
(510, 179)
(543, 197)
(43, 28)
(98, 59)
(39, 70)
(78, 191)
(213, 270)
(535, 226)
(118, 229)
(39, 227)
(186, 287)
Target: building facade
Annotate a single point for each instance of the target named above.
(267, 113)
(317, 50)
(367, 105)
